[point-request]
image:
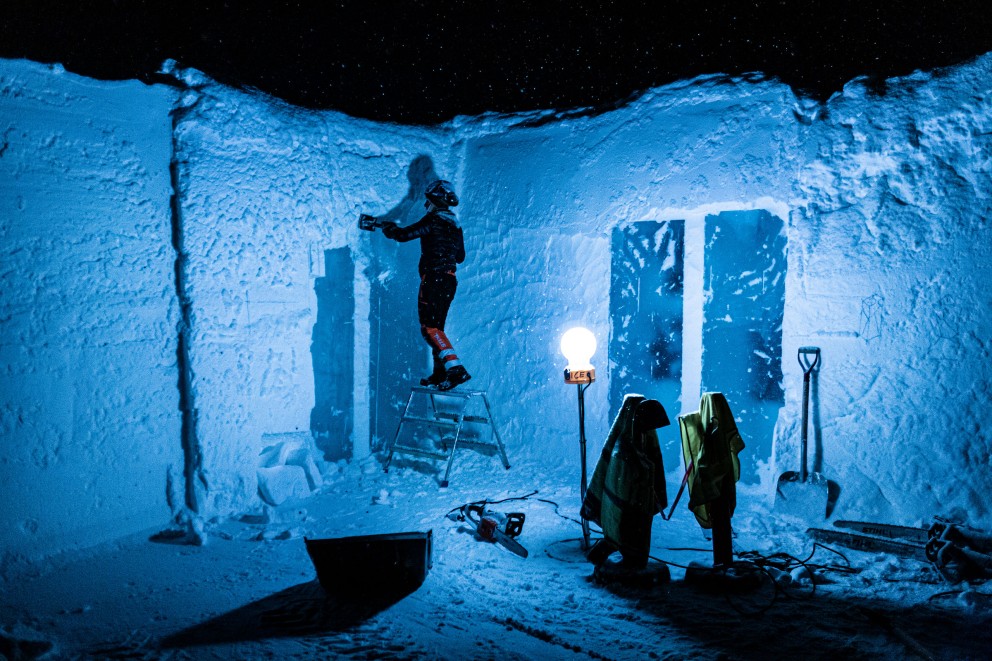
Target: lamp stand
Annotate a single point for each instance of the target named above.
(582, 455)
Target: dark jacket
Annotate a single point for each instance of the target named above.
(628, 485)
(442, 246)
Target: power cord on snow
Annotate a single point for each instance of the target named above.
(749, 561)
(773, 566)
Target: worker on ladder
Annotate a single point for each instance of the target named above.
(442, 248)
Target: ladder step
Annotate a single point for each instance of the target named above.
(467, 418)
(459, 394)
(464, 443)
(444, 419)
(420, 453)
(432, 421)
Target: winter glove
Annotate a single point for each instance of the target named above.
(389, 228)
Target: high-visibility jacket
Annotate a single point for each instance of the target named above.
(710, 444)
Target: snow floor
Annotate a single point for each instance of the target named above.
(251, 592)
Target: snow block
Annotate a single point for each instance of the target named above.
(295, 449)
(278, 484)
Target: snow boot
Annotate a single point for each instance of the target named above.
(434, 380)
(455, 376)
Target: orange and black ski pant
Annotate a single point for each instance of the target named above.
(437, 290)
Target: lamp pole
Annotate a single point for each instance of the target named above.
(578, 345)
(582, 453)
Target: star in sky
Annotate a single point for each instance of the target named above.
(427, 61)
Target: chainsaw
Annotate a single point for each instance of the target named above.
(496, 527)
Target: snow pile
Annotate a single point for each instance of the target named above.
(287, 468)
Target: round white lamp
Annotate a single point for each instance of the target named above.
(578, 345)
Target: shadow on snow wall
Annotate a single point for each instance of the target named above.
(398, 352)
(743, 304)
(395, 337)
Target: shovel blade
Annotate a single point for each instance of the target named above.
(804, 500)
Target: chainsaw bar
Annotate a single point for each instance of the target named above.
(509, 543)
(906, 533)
(871, 543)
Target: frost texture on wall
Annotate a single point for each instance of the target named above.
(281, 279)
(885, 203)
(742, 330)
(889, 273)
(543, 196)
(646, 308)
(89, 418)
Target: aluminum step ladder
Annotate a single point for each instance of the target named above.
(444, 412)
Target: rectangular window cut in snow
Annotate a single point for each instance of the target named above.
(646, 292)
(333, 352)
(744, 277)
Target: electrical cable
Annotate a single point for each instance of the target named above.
(530, 496)
(754, 561)
(749, 561)
(484, 502)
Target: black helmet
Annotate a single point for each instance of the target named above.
(440, 194)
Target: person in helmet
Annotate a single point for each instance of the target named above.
(442, 248)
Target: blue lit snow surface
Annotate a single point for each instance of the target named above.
(250, 591)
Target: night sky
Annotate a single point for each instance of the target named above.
(425, 62)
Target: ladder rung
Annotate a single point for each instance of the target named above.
(432, 421)
(473, 444)
(460, 394)
(467, 418)
(420, 453)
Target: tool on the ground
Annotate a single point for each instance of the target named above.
(904, 547)
(497, 527)
(800, 493)
(369, 223)
(956, 551)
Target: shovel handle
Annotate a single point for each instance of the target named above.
(804, 361)
(807, 365)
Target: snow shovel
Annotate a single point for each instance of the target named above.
(800, 493)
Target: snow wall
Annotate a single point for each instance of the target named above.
(282, 282)
(549, 202)
(889, 272)
(704, 232)
(90, 418)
